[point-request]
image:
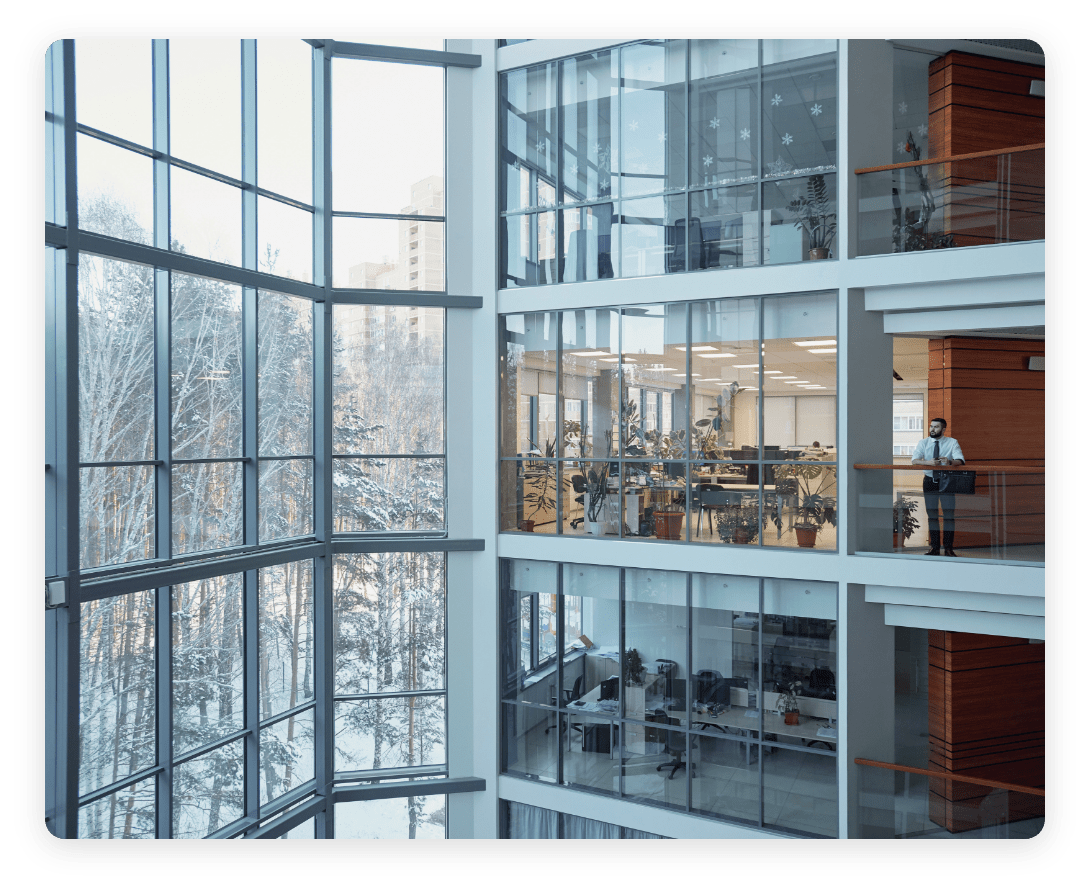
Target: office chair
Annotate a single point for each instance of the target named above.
(823, 683)
(706, 505)
(703, 682)
(574, 694)
(579, 486)
(675, 746)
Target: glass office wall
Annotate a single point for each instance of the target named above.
(675, 155)
(189, 453)
(710, 422)
(744, 730)
(521, 821)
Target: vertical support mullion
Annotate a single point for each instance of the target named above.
(760, 155)
(760, 703)
(622, 603)
(164, 783)
(560, 618)
(690, 396)
(321, 76)
(689, 688)
(558, 414)
(761, 303)
(250, 593)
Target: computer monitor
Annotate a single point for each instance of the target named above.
(675, 691)
(611, 689)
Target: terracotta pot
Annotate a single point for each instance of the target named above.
(819, 253)
(527, 525)
(741, 536)
(806, 535)
(791, 718)
(668, 526)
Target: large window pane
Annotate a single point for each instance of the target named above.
(389, 380)
(391, 733)
(129, 813)
(116, 360)
(284, 119)
(207, 660)
(799, 219)
(285, 236)
(390, 622)
(286, 636)
(528, 385)
(206, 506)
(528, 122)
(652, 232)
(117, 690)
(526, 749)
(285, 374)
(206, 103)
(285, 499)
(114, 78)
(799, 98)
(208, 792)
(590, 110)
(592, 247)
(727, 226)
(389, 494)
(653, 117)
(287, 755)
(529, 667)
(422, 817)
(205, 217)
(723, 110)
(205, 368)
(528, 250)
(115, 190)
(800, 791)
(725, 355)
(117, 515)
(380, 154)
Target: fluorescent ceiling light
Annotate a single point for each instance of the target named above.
(746, 366)
(611, 358)
(592, 352)
(814, 386)
(815, 342)
(679, 375)
(663, 369)
(700, 348)
(819, 351)
(788, 377)
(772, 372)
(800, 382)
(719, 355)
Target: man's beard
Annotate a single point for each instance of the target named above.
(937, 435)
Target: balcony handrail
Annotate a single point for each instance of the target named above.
(980, 468)
(957, 777)
(995, 152)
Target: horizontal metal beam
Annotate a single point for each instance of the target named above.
(120, 785)
(281, 825)
(379, 53)
(408, 789)
(57, 236)
(364, 544)
(404, 298)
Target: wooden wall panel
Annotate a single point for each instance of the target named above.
(981, 104)
(986, 706)
(996, 410)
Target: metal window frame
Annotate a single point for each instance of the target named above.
(159, 574)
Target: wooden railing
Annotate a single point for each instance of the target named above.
(956, 777)
(979, 468)
(993, 153)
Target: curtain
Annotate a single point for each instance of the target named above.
(589, 829)
(525, 822)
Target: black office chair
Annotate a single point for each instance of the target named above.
(703, 681)
(707, 504)
(579, 486)
(675, 746)
(574, 694)
(823, 683)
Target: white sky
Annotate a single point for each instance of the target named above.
(387, 134)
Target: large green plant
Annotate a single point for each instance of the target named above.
(812, 213)
(816, 493)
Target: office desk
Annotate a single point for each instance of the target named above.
(746, 720)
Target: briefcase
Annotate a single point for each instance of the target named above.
(956, 481)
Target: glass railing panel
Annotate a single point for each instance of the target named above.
(900, 802)
(998, 513)
(966, 201)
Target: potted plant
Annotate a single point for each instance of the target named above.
(812, 215)
(666, 447)
(787, 704)
(904, 520)
(739, 524)
(538, 484)
(816, 491)
(910, 229)
(594, 498)
(633, 668)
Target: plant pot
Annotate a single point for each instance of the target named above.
(741, 536)
(668, 526)
(819, 253)
(898, 541)
(806, 535)
(527, 525)
(595, 528)
(791, 718)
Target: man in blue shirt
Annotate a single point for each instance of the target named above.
(938, 450)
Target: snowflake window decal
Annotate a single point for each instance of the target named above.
(541, 147)
(777, 99)
(744, 134)
(787, 139)
(816, 110)
(714, 123)
(922, 129)
(903, 108)
(633, 126)
(708, 160)
(662, 138)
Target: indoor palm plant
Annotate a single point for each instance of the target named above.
(904, 520)
(813, 215)
(816, 492)
(539, 484)
(666, 447)
(739, 524)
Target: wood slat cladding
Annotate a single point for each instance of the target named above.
(986, 718)
(978, 104)
(995, 407)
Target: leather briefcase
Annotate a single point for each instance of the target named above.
(956, 481)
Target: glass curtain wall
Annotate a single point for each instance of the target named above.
(225, 665)
(668, 156)
(707, 694)
(710, 422)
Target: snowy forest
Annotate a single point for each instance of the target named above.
(389, 608)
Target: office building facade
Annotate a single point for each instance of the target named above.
(525, 467)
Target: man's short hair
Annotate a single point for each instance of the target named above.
(941, 420)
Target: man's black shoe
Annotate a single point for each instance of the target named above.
(949, 551)
(934, 551)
